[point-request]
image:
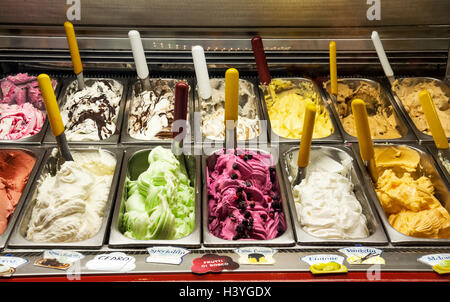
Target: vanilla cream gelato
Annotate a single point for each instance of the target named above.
(325, 202)
(70, 205)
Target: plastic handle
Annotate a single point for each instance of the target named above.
(201, 72)
(333, 68)
(382, 55)
(73, 46)
(231, 97)
(363, 130)
(306, 140)
(260, 59)
(54, 116)
(181, 101)
(138, 54)
(433, 121)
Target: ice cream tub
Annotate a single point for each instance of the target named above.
(146, 120)
(30, 109)
(241, 206)
(350, 217)
(410, 195)
(385, 119)
(292, 95)
(37, 154)
(69, 205)
(442, 161)
(93, 115)
(405, 91)
(210, 126)
(128, 216)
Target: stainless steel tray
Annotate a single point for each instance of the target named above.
(261, 138)
(18, 239)
(406, 133)
(434, 152)
(38, 137)
(441, 193)
(38, 153)
(125, 135)
(114, 138)
(335, 137)
(135, 162)
(420, 135)
(209, 240)
(339, 153)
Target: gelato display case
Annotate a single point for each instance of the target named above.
(135, 195)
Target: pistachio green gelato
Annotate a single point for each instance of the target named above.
(160, 203)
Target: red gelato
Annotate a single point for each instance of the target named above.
(15, 168)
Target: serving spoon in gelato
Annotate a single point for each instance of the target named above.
(435, 125)
(54, 115)
(305, 142)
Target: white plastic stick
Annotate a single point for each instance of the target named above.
(382, 55)
(201, 72)
(138, 54)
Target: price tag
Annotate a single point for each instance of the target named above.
(325, 264)
(166, 255)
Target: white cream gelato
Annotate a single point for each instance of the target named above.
(91, 114)
(69, 207)
(325, 201)
(213, 112)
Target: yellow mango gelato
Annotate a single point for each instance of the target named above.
(287, 111)
(408, 199)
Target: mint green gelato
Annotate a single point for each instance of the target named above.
(160, 204)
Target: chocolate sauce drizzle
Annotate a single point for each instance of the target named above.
(159, 88)
(105, 115)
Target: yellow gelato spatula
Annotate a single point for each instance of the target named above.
(305, 142)
(437, 131)
(364, 137)
(74, 53)
(54, 115)
(333, 71)
(231, 107)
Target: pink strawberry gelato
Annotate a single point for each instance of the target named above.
(244, 200)
(21, 107)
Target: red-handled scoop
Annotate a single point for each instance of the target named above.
(260, 59)
(180, 110)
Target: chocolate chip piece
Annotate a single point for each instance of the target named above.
(248, 184)
(245, 158)
(245, 222)
(235, 166)
(250, 156)
(239, 189)
(252, 204)
(236, 237)
(234, 176)
(272, 169)
(248, 215)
